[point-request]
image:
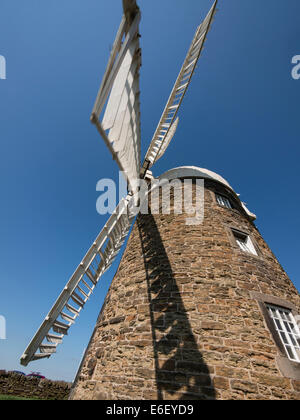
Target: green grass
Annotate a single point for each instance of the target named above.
(14, 397)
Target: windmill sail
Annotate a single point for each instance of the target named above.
(81, 285)
(161, 138)
(167, 139)
(120, 125)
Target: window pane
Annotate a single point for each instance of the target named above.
(284, 338)
(282, 315)
(227, 203)
(241, 244)
(290, 352)
(293, 340)
(292, 327)
(287, 327)
(244, 242)
(223, 201)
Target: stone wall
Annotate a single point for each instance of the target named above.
(179, 320)
(24, 386)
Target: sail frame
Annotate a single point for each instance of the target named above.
(81, 284)
(178, 92)
(120, 92)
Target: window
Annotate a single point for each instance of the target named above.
(244, 242)
(287, 329)
(223, 201)
(281, 318)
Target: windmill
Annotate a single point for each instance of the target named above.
(120, 130)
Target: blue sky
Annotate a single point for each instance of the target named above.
(240, 119)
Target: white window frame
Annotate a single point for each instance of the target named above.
(287, 329)
(244, 242)
(223, 201)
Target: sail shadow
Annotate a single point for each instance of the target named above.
(181, 372)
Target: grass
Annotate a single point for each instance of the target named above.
(14, 397)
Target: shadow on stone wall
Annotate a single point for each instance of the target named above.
(181, 372)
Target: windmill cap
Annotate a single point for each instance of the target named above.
(195, 172)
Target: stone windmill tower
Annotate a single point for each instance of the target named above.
(196, 310)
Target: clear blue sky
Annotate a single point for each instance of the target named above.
(240, 118)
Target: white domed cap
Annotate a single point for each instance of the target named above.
(194, 172)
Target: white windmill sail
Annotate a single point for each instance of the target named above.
(165, 128)
(167, 140)
(120, 89)
(81, 285)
